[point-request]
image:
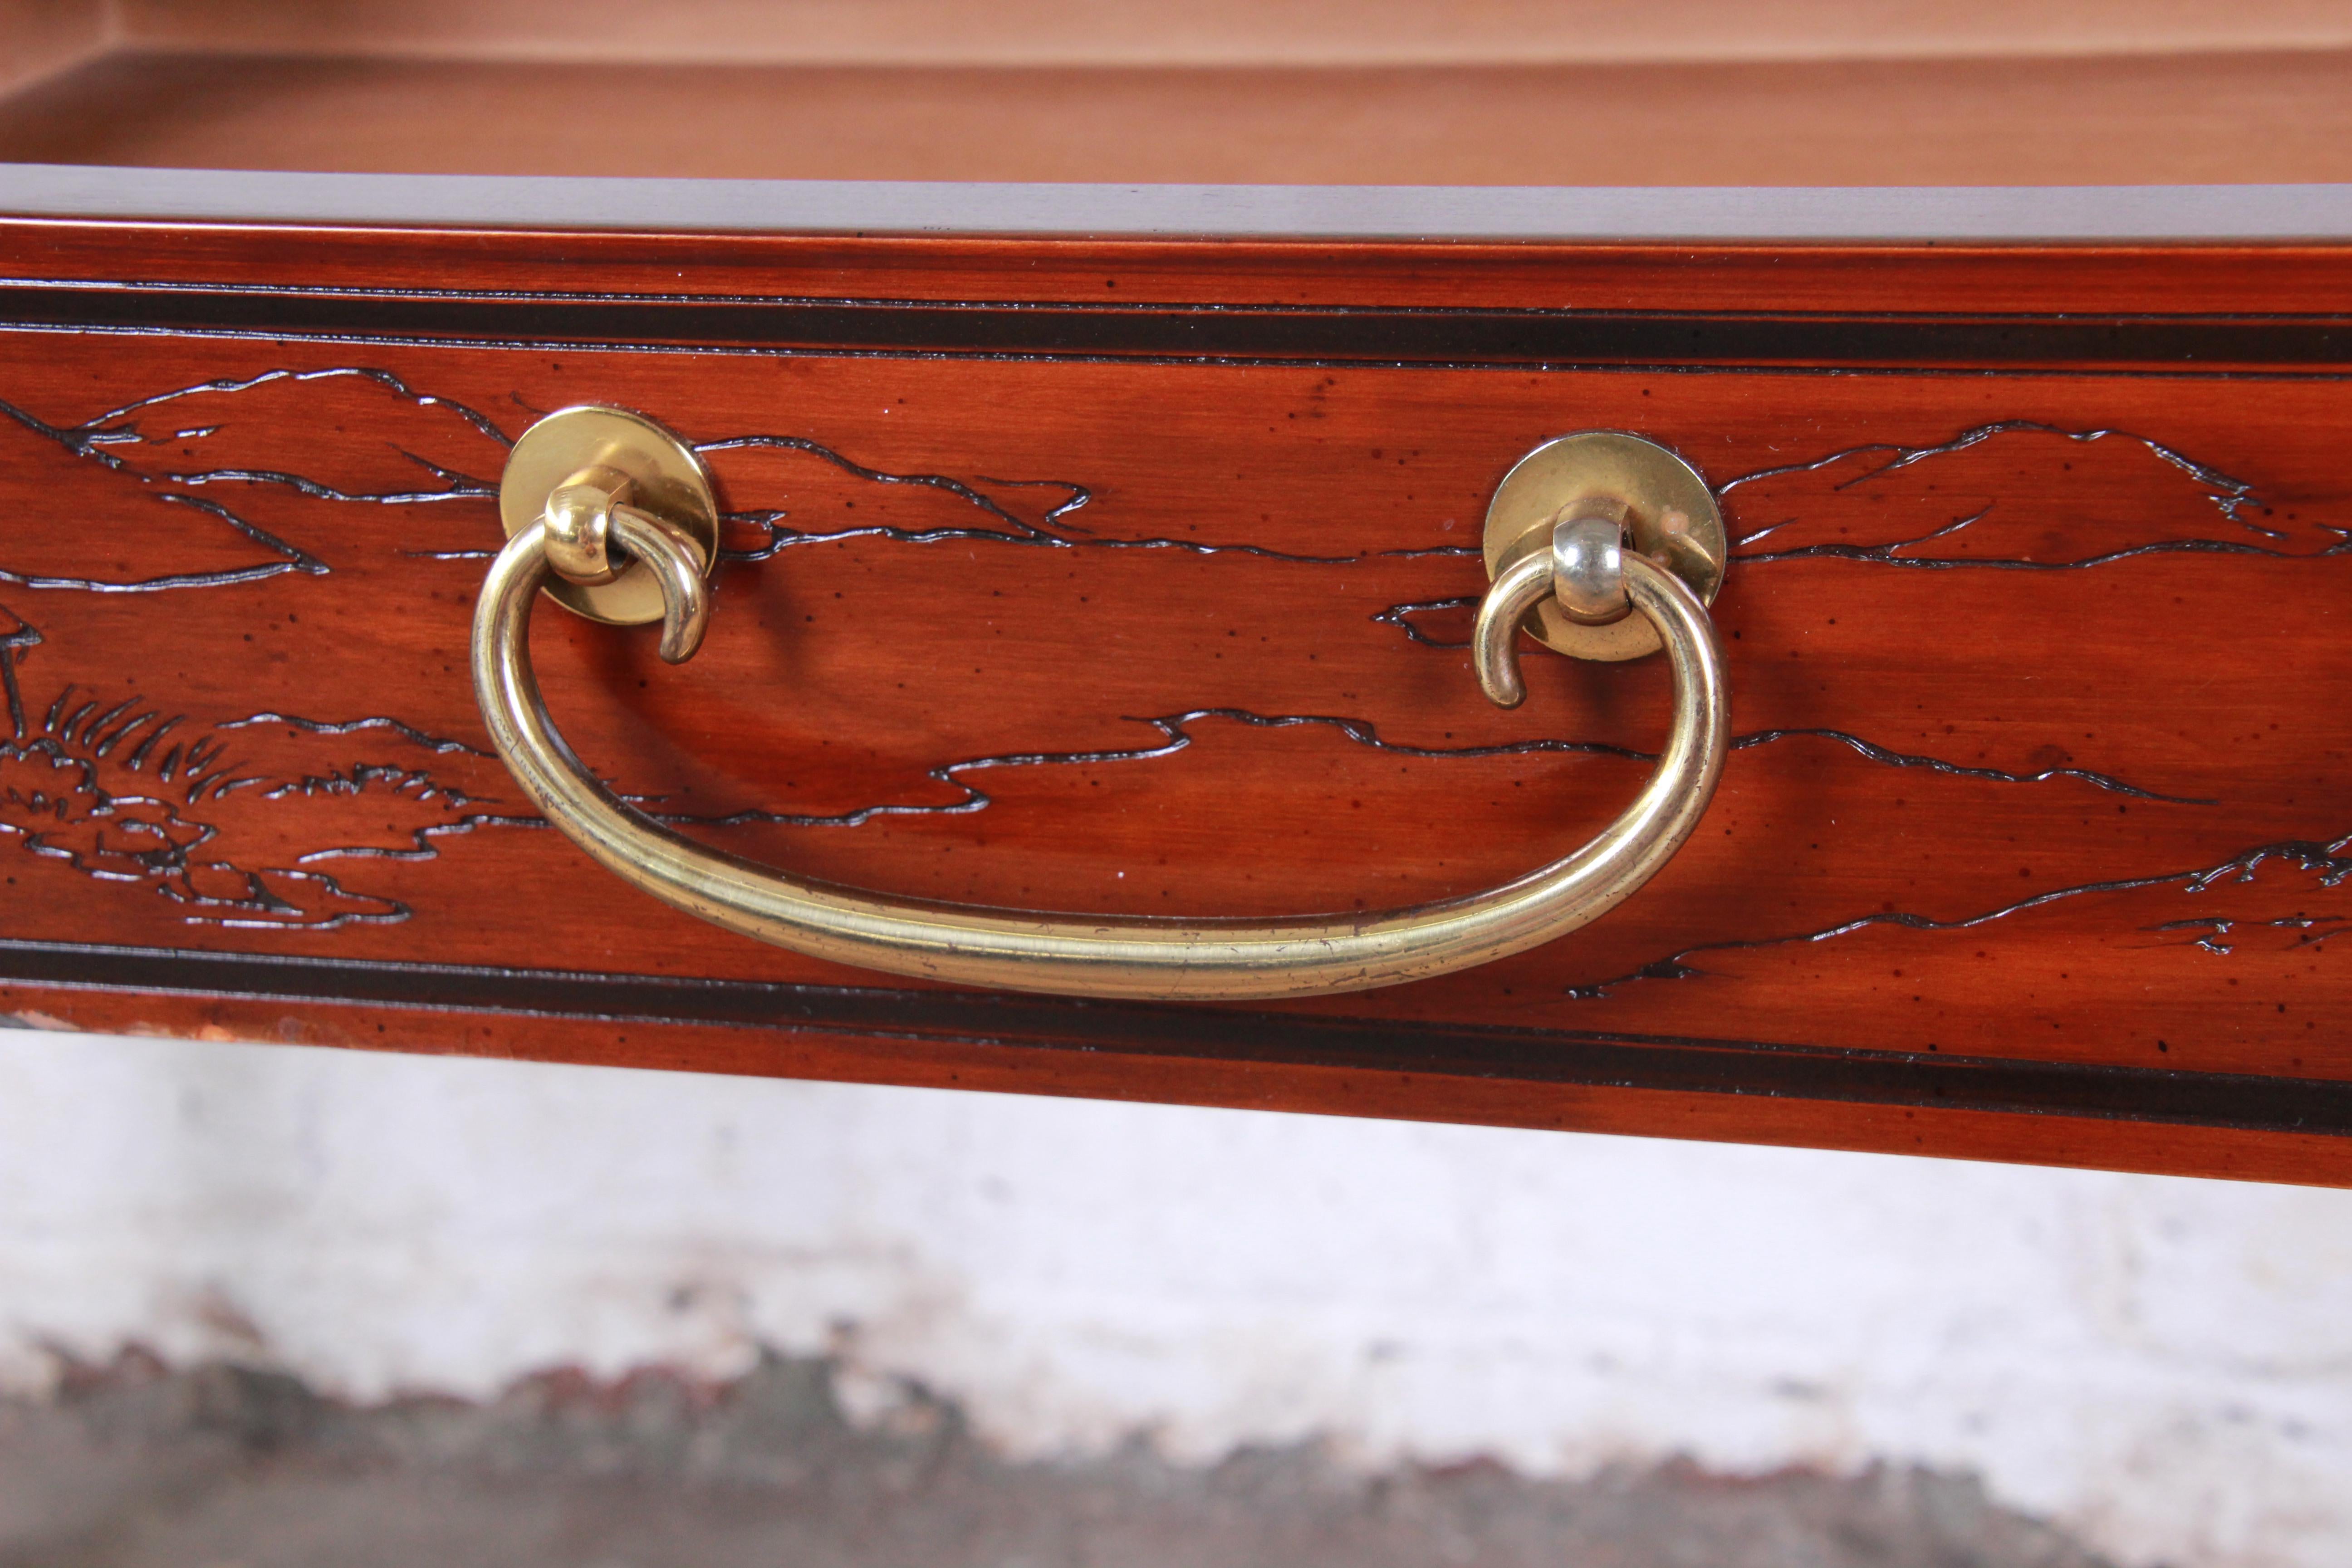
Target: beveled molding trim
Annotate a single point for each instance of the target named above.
(2056, 213)
(1240, 1036)
(1689, 341)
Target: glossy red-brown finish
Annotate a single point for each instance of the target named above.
(1839, 279)
(2037, 650)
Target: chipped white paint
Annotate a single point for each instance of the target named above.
(2165, 1365)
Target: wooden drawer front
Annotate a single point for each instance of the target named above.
(2029, 846)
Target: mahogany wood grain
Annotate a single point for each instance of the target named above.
(234, 275)
(2031, 845)
(1423, 1086)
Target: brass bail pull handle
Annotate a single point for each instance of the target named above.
(1583, 568)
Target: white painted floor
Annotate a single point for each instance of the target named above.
(2163, 1365)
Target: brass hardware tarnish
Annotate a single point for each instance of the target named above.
(1209, 959)
(571, 469)
(1667, 513)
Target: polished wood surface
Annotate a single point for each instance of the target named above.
(2225, 117)
(689, 287)
(44, 37)
(2030, 846)
(1210, 31)
(1392, 91)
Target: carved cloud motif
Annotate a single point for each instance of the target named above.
(2015, 494)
